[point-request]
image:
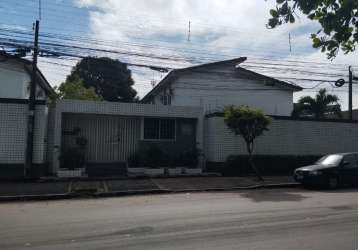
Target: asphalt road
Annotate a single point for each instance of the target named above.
(258, 219)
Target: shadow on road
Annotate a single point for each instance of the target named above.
(274, 196)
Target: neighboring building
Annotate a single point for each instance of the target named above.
(15, 79)
(14, 110)
(216, 85)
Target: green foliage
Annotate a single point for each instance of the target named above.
(111, 79)
(190, 158)
(338, 19)
(74, 89)
(247, 122)
(75, 157)
(319, 107)
(72, 158)
(153, 156)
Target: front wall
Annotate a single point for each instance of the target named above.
(286, 137)
(13, 136)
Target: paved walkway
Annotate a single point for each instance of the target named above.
(10, 190)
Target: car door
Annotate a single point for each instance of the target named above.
(349, 170)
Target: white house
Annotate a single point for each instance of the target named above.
(15, 77)
(219, 84)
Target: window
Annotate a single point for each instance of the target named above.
(330, 160)
(166, 99)
(351, 160)
(159, 129)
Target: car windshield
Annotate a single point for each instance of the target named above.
(330, 160)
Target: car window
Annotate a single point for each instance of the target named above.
(352, 160)
(330, 160)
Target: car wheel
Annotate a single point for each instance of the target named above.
(332, 182)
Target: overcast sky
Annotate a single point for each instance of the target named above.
(220, 29)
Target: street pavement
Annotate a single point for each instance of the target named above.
(252, 219)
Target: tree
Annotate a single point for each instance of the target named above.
(338, 19)
(248, 122)
(110, 78)
(75, 89)
(318, 107)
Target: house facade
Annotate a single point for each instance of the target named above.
(14, 112)
(216, 85)
(115, 131)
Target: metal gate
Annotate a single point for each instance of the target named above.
(110, 139)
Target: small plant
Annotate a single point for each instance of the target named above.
(73, 158)
(190, 158)
(134, 160)
(81, 141)
(153, 156)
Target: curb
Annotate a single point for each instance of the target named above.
(37, 197)
(139, 192)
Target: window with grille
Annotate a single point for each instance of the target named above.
(159, 129)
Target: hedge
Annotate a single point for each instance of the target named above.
(237, 165)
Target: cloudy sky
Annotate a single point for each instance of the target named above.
(155, 32)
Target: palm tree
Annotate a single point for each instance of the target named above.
(319, 107)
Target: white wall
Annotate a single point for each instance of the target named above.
(13, 133)
(213, 91)
(14, 80)
(285, 137)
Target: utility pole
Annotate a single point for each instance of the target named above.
(189, 31)
(289, 41)
(350, 101)
(32, 104)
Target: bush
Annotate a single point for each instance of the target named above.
(190, 158)
(134, 160)
(237, 165)
(73, 158)
(153, 156)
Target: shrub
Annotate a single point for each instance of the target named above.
(190, 158)
(153, 156)
(134, 160)
(73, 158)
(237, 165)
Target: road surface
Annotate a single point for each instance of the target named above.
(258, 219)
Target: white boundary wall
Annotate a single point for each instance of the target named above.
(13, 133)
(285, 137)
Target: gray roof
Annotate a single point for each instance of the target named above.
(233, 62)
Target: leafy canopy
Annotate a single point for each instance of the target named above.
(338, 19)
(247, 122)
(74, 89)
(318, 107)
(111, 79)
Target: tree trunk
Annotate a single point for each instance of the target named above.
(251, 162)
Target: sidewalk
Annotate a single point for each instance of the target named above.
(101, 188)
